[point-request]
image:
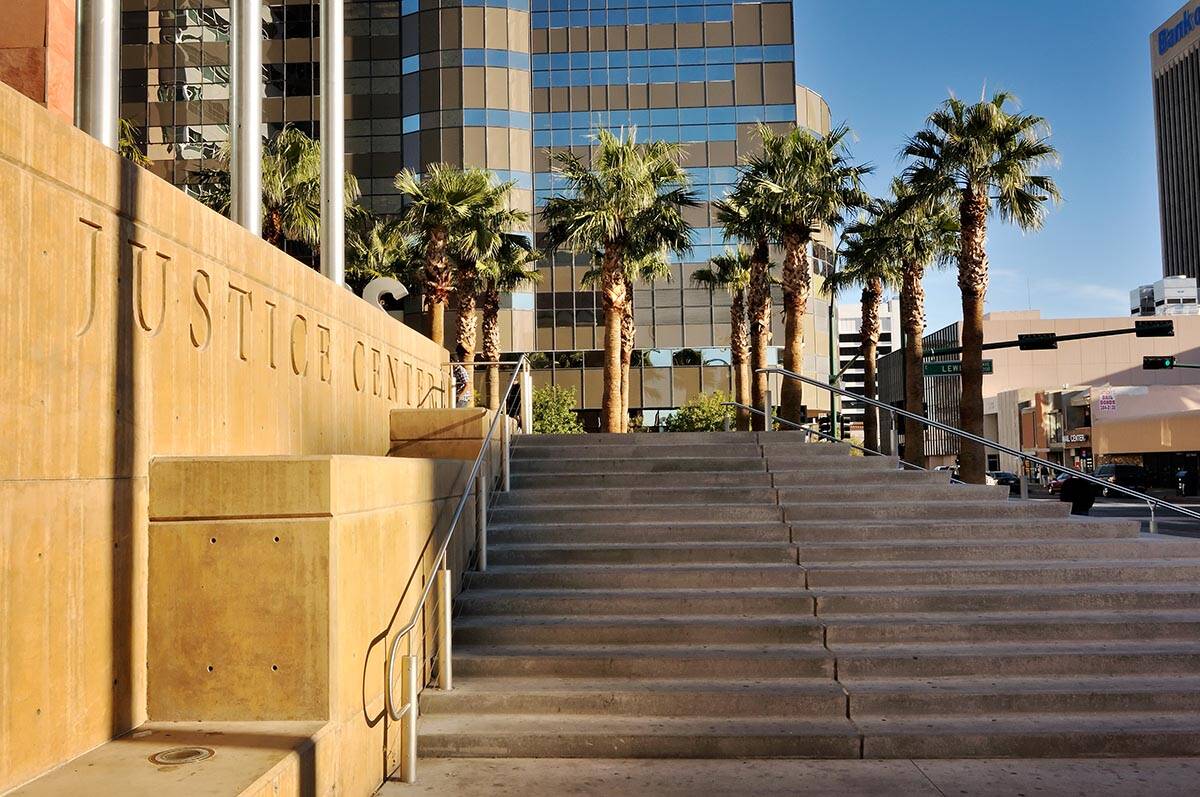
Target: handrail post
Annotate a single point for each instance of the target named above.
(408, 766)
(445, 618)
(505, 443)
(1153, 518)
(526, 402)
(481, 497)
(768, 403)
(1024, 482)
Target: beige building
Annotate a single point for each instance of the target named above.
(1156, 412)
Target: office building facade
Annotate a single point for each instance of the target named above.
(850, 363)
(1175, 70)
(496, 84)
(1167, 296)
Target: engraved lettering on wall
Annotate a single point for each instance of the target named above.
(359, 365)
(141, 255)
(92, 231)
(270, 331)
(376, 375)
(299, 341)
(324, 364)
(245, 304)
(202, 292)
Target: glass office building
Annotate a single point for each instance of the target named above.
(496, 83)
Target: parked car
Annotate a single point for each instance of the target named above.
(1056, 484)
(1010, 480)
(1135, 477)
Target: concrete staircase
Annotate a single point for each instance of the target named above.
(753, 595)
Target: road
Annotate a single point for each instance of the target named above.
(1168, 522)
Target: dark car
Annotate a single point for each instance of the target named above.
(1011, 480)
(1135, 477)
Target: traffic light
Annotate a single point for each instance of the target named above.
(844, 423)
(1158, 363)
(1154, 328)
(825, 425)
(1037, 341)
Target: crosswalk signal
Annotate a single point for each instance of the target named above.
(1158, 363)
(825, 425)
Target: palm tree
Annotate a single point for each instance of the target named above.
(376, 246)
(291, 187)
(811, 184)
(923, 234)
(628, 203)
(511, 267)
(741, 215)
(487, 229)
(731, 271)
(869, 261)
(981, 157)
(437, 209)
(639, 267)
(129, 143)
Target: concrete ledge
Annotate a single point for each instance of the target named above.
(441, 433)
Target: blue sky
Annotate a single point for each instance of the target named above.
(1083, 64)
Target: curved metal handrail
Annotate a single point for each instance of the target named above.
(954, 430)
(406, 631)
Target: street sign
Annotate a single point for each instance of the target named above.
(952, 368)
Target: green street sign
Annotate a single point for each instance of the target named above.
(952, 368)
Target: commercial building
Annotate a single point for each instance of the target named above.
(1175, 69)
(1167, 296)
(1143, 413)
(850, 363)
(495, 84)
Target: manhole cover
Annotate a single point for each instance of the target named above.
(182, 755)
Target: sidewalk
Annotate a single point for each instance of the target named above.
(498, 777)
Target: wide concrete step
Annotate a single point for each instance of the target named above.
(1042, 626)
(639, 661)
(1032, 736)
(971, 506)
(580, 552)
(863, 476)
(573, 629)
(713, 451)
(903, 492)
(954, 572)
(649, 439)
(558, 481)
(645, 495)
(644, 601)
(514, 531)
(879, 535)
(634, 514)
(795, 447)
(637, 577)
(1049, 695)
(972, 549)
(574, 736)
(1068, 658)
(793, 698)
(640, 464)
(1018, 598)
(787, 463)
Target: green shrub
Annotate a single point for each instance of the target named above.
(554, 411)
(704, 413)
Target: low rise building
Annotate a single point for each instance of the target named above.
(1168, 296)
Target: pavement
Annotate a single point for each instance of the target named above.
(1123, 507)
(526, 777)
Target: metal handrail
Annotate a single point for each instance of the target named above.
(408, 710)
(1150, 500)
(823, 435)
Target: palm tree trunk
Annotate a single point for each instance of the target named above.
(489, 305)
(464, 332)
(628, 334)
(739, 356)
(797, 282)
(613, 291)
(871, 295)
(437, 321)
(912, 320)
(437, 285)
(973, 282)
(759, 311)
